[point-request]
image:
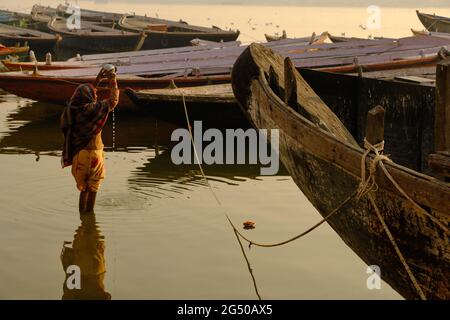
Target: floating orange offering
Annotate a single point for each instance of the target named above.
(249, 225)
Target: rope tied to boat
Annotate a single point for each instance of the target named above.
(370, 184)
(369, 187)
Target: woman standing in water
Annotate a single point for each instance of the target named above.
(81, 123)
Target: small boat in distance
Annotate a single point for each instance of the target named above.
(169, 34)
(337, 39)
(276, 37)
(161, 33)
(421, 33)
(90, 37)
(17, 19)
(39, 42)
(7, 51)
(324, 161)
(434, 23)
(314, 39)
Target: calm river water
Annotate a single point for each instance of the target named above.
(158, 231)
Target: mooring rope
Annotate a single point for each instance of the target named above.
(271, 245)
(368, 187)
(378, 160)
(215, 196)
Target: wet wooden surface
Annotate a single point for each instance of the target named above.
(221, 93)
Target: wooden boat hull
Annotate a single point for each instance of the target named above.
(424, 33)
(39, 46)
(155, 39)
(59, 90)
(271, 38)
(39, 42)
(213, 112)
(327, 170)
(434, 23)
(13, 51)
(159, 40)
(101, 44)
(176, 34)
(29, 66)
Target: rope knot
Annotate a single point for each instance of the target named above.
(369, 184)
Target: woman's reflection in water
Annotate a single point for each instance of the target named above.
(88, 253)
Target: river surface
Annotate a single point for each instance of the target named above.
(158, 231)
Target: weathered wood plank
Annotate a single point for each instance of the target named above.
(409, 117)
(442, 119)
(440, 164)
(220, 93)
(375, 125)
(290, 84)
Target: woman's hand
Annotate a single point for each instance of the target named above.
(100, 77)
(112, 78)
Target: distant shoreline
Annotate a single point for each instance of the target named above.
(293, 3)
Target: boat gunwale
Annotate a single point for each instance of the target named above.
(18, 76)
(92, 34)
(201, 31)
(434, 17)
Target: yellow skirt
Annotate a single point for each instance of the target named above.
(88, 169)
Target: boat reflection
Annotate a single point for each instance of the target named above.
(34, 128)
(87, 252)
(160, 177)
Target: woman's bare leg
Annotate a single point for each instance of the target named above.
(90, 203)
(83, 201)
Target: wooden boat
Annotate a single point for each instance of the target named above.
(216, 93)
(368, 55)
(13, 18)
(13, 65)
(39, 42)
(214, 105)
(337, 39)
(324, 160)
(88, 15)
(7, 17)
(434, 23)
(421, 33)
(168, 34)
(271, 38)
(314, 39)
(117, 58)
(59, 89)
(161, 33)
(198, 64)
(96, 38)
(91, 37)
(7, 51)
